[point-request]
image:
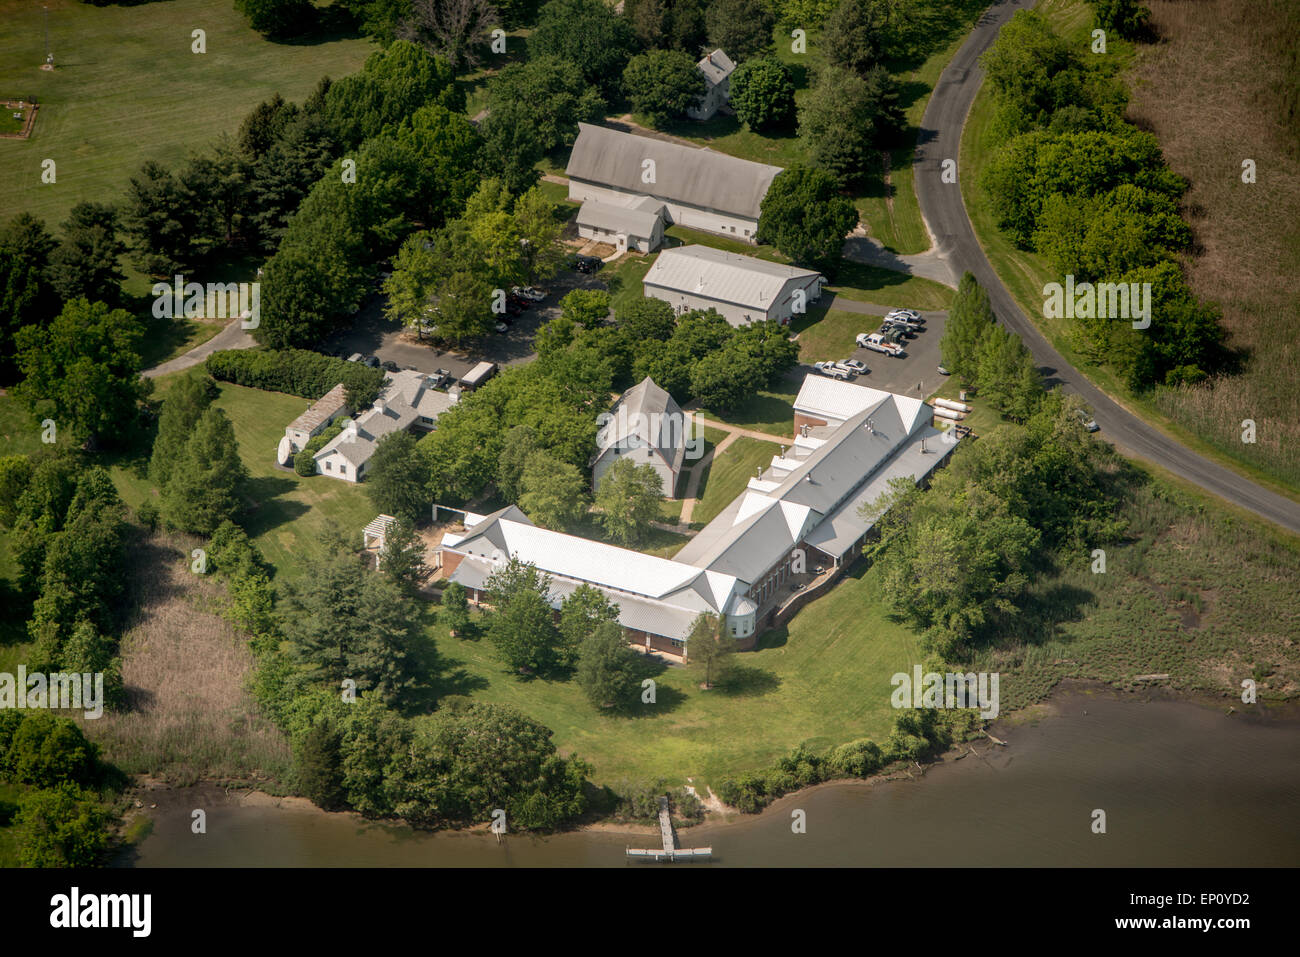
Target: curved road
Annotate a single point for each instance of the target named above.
(954, 238)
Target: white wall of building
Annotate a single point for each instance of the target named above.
(336, 466)
(781, 310)
(706, 220)
(640, 244)
(636, 450)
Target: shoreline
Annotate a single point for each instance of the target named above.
(151, 795)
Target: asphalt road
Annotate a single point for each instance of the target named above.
(945, 215)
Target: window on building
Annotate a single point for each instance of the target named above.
(329, 467)
(678, 643)
(343, 469)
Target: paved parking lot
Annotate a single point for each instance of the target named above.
(372, 334)
(916, 374)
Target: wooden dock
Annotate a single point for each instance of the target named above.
(671, 852)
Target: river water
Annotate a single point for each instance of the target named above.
(1180, 784)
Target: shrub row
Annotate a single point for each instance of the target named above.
(917, 734)
(298, 372)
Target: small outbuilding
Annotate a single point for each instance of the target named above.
(639, 226)
(717, 69)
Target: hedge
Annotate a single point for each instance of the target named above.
(298, 372)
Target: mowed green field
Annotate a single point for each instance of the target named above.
(728, 475)
(127, 88)
(285, 512)
(822, 681)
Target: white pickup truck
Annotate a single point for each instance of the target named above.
(831, 369)
(878, 343)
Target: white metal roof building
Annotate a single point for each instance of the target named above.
(699, 188)
(809, 499)
(742, 288)
(657, 597)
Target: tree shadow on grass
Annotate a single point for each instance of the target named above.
(444, 677)
(264, 511)
(746, 681)
(17, 606)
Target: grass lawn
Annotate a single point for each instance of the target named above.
(888, 288)
(830, 334)
(127, 89)
(670, 510)
(767, 410)
(168, 338)
(656, 542)
(286, 512)
(728, 474)
(623, 279)
(822, 681)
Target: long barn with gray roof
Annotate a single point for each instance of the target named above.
(699, 188)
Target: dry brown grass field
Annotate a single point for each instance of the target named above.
(184, 667)
(1218, 88)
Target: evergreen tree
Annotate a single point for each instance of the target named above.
(318, 759)
(402, 559)
(185, 404)
(969, 320)
(203, 486)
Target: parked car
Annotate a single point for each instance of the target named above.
(856, 366)
(355, 357)
(878, 343)
(830, 369)
(943, 371)
(439, 378)
(530, 293)
(390, 365)
(910, 315)
(372, 361)
(587, 264)
(889, 327)
(503, 327)
(1088, 422)
(843, 365)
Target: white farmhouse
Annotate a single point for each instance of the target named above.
(698, 188)
(717, 68)
(312, 423)
(649, 428)
(408, 402)
(743, 289)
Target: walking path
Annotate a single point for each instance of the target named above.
(737, 430)
(231, 337)
(697, 475)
